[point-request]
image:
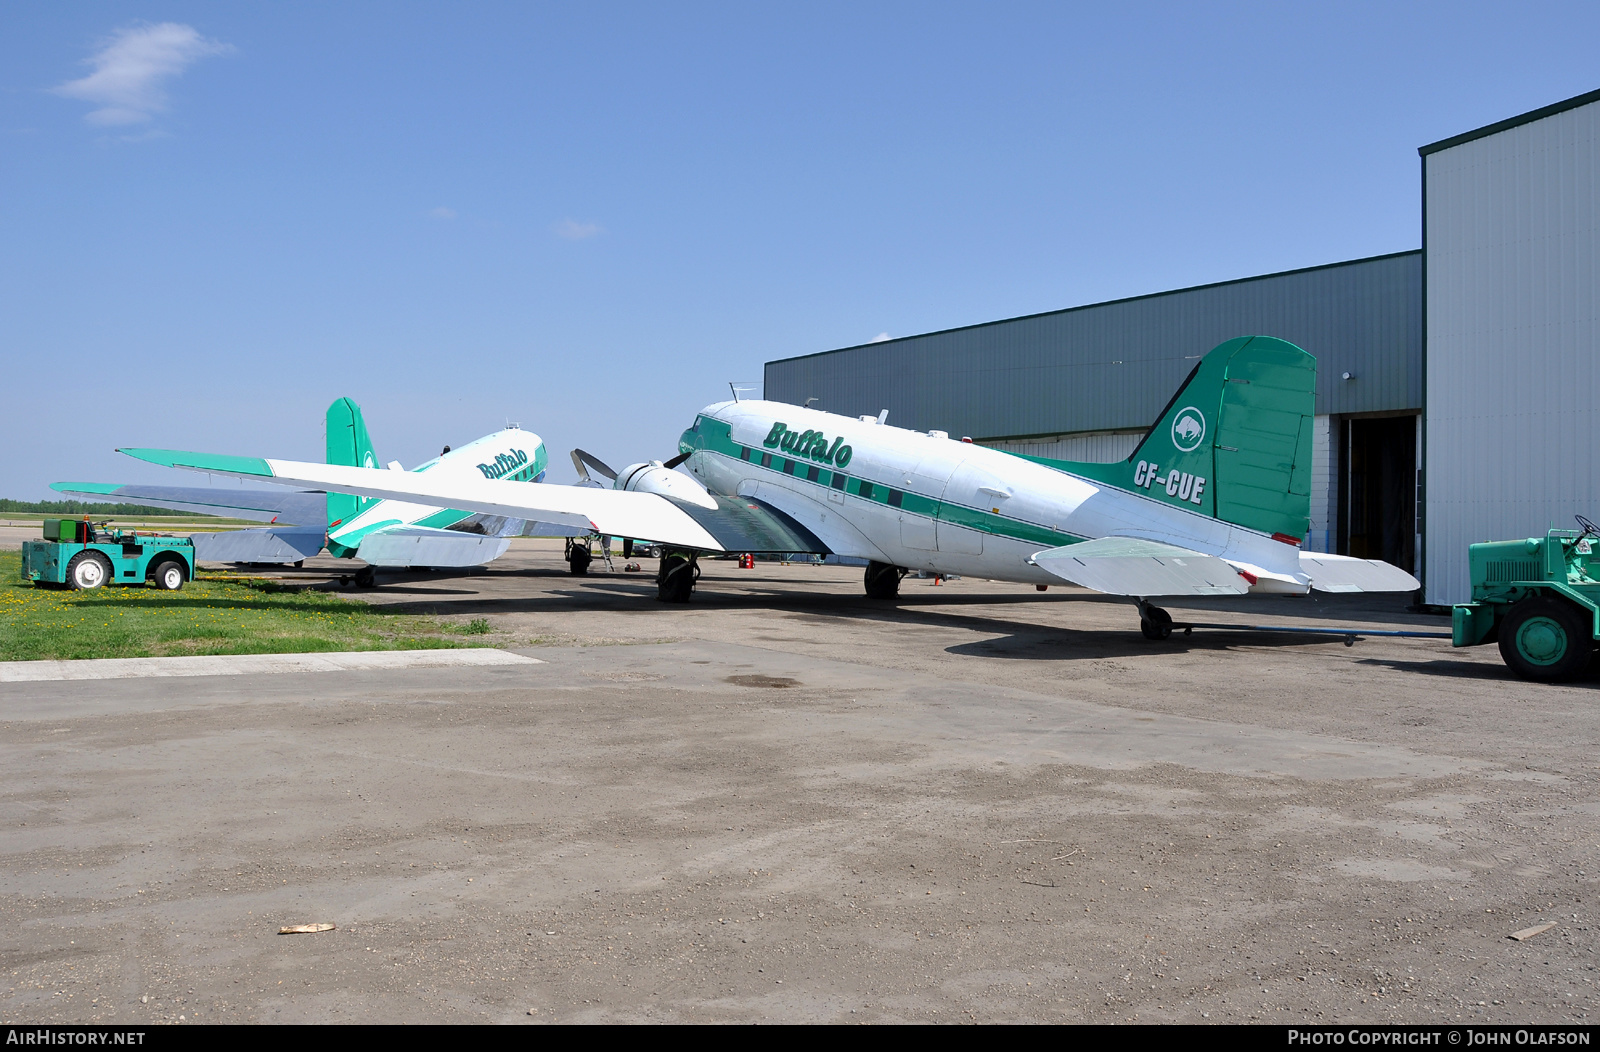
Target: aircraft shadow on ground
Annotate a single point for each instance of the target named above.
(1011, 638)
(1458, 669)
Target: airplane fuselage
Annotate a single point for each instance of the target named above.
(512, 454)
(928, 502)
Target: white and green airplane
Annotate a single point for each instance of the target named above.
(1214, 501)
(384, 533)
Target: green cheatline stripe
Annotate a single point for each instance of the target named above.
(175, 458)
(352, 538)
(85, 487)
(440, 519)
(716, 437)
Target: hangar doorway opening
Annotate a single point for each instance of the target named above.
(1378, 489)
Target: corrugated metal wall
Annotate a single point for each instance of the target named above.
(1113, 366)
(1092, 447)
(1513, 312)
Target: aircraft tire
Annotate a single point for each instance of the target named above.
(883, 581)
(1158, 625)
(367, 577)
(1546, 639)
(169, 575)
(88, 570)
(675, 579)
(579, 560)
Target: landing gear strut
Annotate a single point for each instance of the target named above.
(1154, 622)
(677, 575)
(883, 581)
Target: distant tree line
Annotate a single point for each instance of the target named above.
(78, 507)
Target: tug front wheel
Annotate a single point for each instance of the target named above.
(169, 575)
(883, 581)
(88, 570)
(1544, 638)
(676, 576)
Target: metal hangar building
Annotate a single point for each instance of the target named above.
(1455, 385)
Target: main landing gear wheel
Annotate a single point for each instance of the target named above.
(169, 575)
(883, 581)
(88, 570)
(1544, 638)
(367, 577)
(1154, 622)
(579, 556)
(676, 577)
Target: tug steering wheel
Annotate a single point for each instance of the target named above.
(1589, 528)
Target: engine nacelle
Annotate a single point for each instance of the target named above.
(654, 477)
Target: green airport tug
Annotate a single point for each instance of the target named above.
(76, 555)
(1537, 599)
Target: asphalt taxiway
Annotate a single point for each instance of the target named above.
(785, 802)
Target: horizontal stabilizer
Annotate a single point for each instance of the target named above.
(1129, 566)
(1342, 573)
(277, 504)
(276, 545)
(425, 546)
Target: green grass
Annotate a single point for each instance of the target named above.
(212, 615)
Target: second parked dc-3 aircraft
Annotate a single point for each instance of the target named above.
(1214, 501)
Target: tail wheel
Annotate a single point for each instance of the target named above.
(88, 570)
(883, 581)
(1544, 638)
(676, 577)
(1154, 622)
(169, 575)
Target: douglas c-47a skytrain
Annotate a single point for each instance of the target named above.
(1214, 501)
(383, 533)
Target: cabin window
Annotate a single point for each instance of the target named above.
(894, 498)
(866, 490)
(744, 452)
(766, 460)
(813, 473)
(788, 467)
(839, 480)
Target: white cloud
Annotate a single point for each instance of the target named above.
(130, 68)
(879, 338)
(573, 230)
(443, 213)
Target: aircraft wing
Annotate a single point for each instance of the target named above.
(426, 546)
(1130, 566)
(619, 513)
(1344, 573)
(274, 544)
(278, 504)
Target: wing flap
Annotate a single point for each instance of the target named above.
(257, 546)
(426, 546)
(620, 513)
(1129, 566)
(1344, 573)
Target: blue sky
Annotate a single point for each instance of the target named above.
(215, 218)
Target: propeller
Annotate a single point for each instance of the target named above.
(580, 459)
(679, 459)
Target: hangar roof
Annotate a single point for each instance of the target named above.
(1111, 366)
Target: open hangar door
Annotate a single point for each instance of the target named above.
(1377, 474)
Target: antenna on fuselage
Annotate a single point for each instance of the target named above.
(736, 388)
(883, 417)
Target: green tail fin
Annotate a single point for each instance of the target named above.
(348, 444)
(1234, 442)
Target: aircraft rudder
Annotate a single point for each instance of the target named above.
(347, 444)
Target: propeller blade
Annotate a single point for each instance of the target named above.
(679, 459)
(579, 458)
